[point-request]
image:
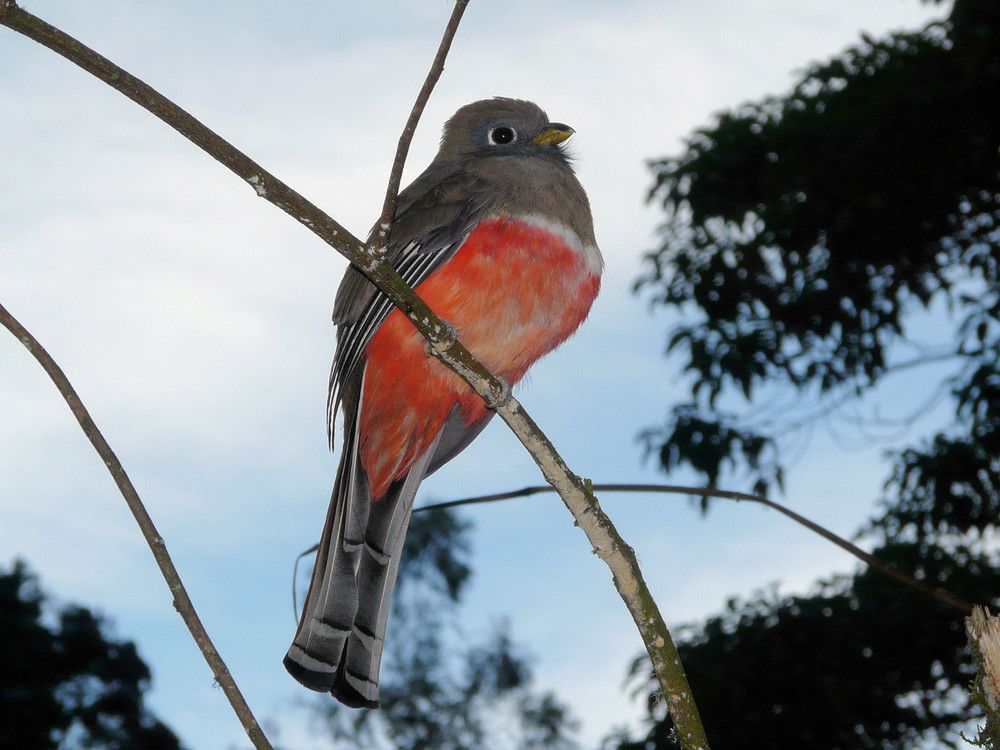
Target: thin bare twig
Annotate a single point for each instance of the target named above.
(938, 594)
(182, 602)
(406, 137)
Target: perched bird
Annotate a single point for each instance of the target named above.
(496, 236)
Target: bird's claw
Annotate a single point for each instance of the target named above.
(503, 397)
(443, 341)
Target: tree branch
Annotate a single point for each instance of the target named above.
(983, 632)
(403, 147)
(182, 602)
(576, 493)
(938, 594)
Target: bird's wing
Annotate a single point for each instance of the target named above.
(435, 216)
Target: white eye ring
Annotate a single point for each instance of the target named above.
(501, 135)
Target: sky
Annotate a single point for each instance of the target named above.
(194, 320)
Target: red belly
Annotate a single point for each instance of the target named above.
(514, 292)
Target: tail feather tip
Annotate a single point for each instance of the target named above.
(344, 692)
(319, 680)
(365, 695)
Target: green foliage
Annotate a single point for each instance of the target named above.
(440, 691)
(831, 670)
(68, 685)
(862, 662)
(808, 240)
(803, 231)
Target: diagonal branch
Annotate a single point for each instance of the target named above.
(182, 602)
(575, 492)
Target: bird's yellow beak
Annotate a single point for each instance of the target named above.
(555, 132)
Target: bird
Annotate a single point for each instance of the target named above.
(496, 235)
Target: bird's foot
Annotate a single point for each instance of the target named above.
(443, 339)
(501, 397)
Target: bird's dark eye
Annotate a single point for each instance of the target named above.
(501, 135)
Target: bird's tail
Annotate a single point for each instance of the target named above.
(338, 644)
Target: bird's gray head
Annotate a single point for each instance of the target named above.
(501, 126)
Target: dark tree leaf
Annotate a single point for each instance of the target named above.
(802, 231)
(70, 686)
(802, 236)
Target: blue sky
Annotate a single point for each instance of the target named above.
(193, 318)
